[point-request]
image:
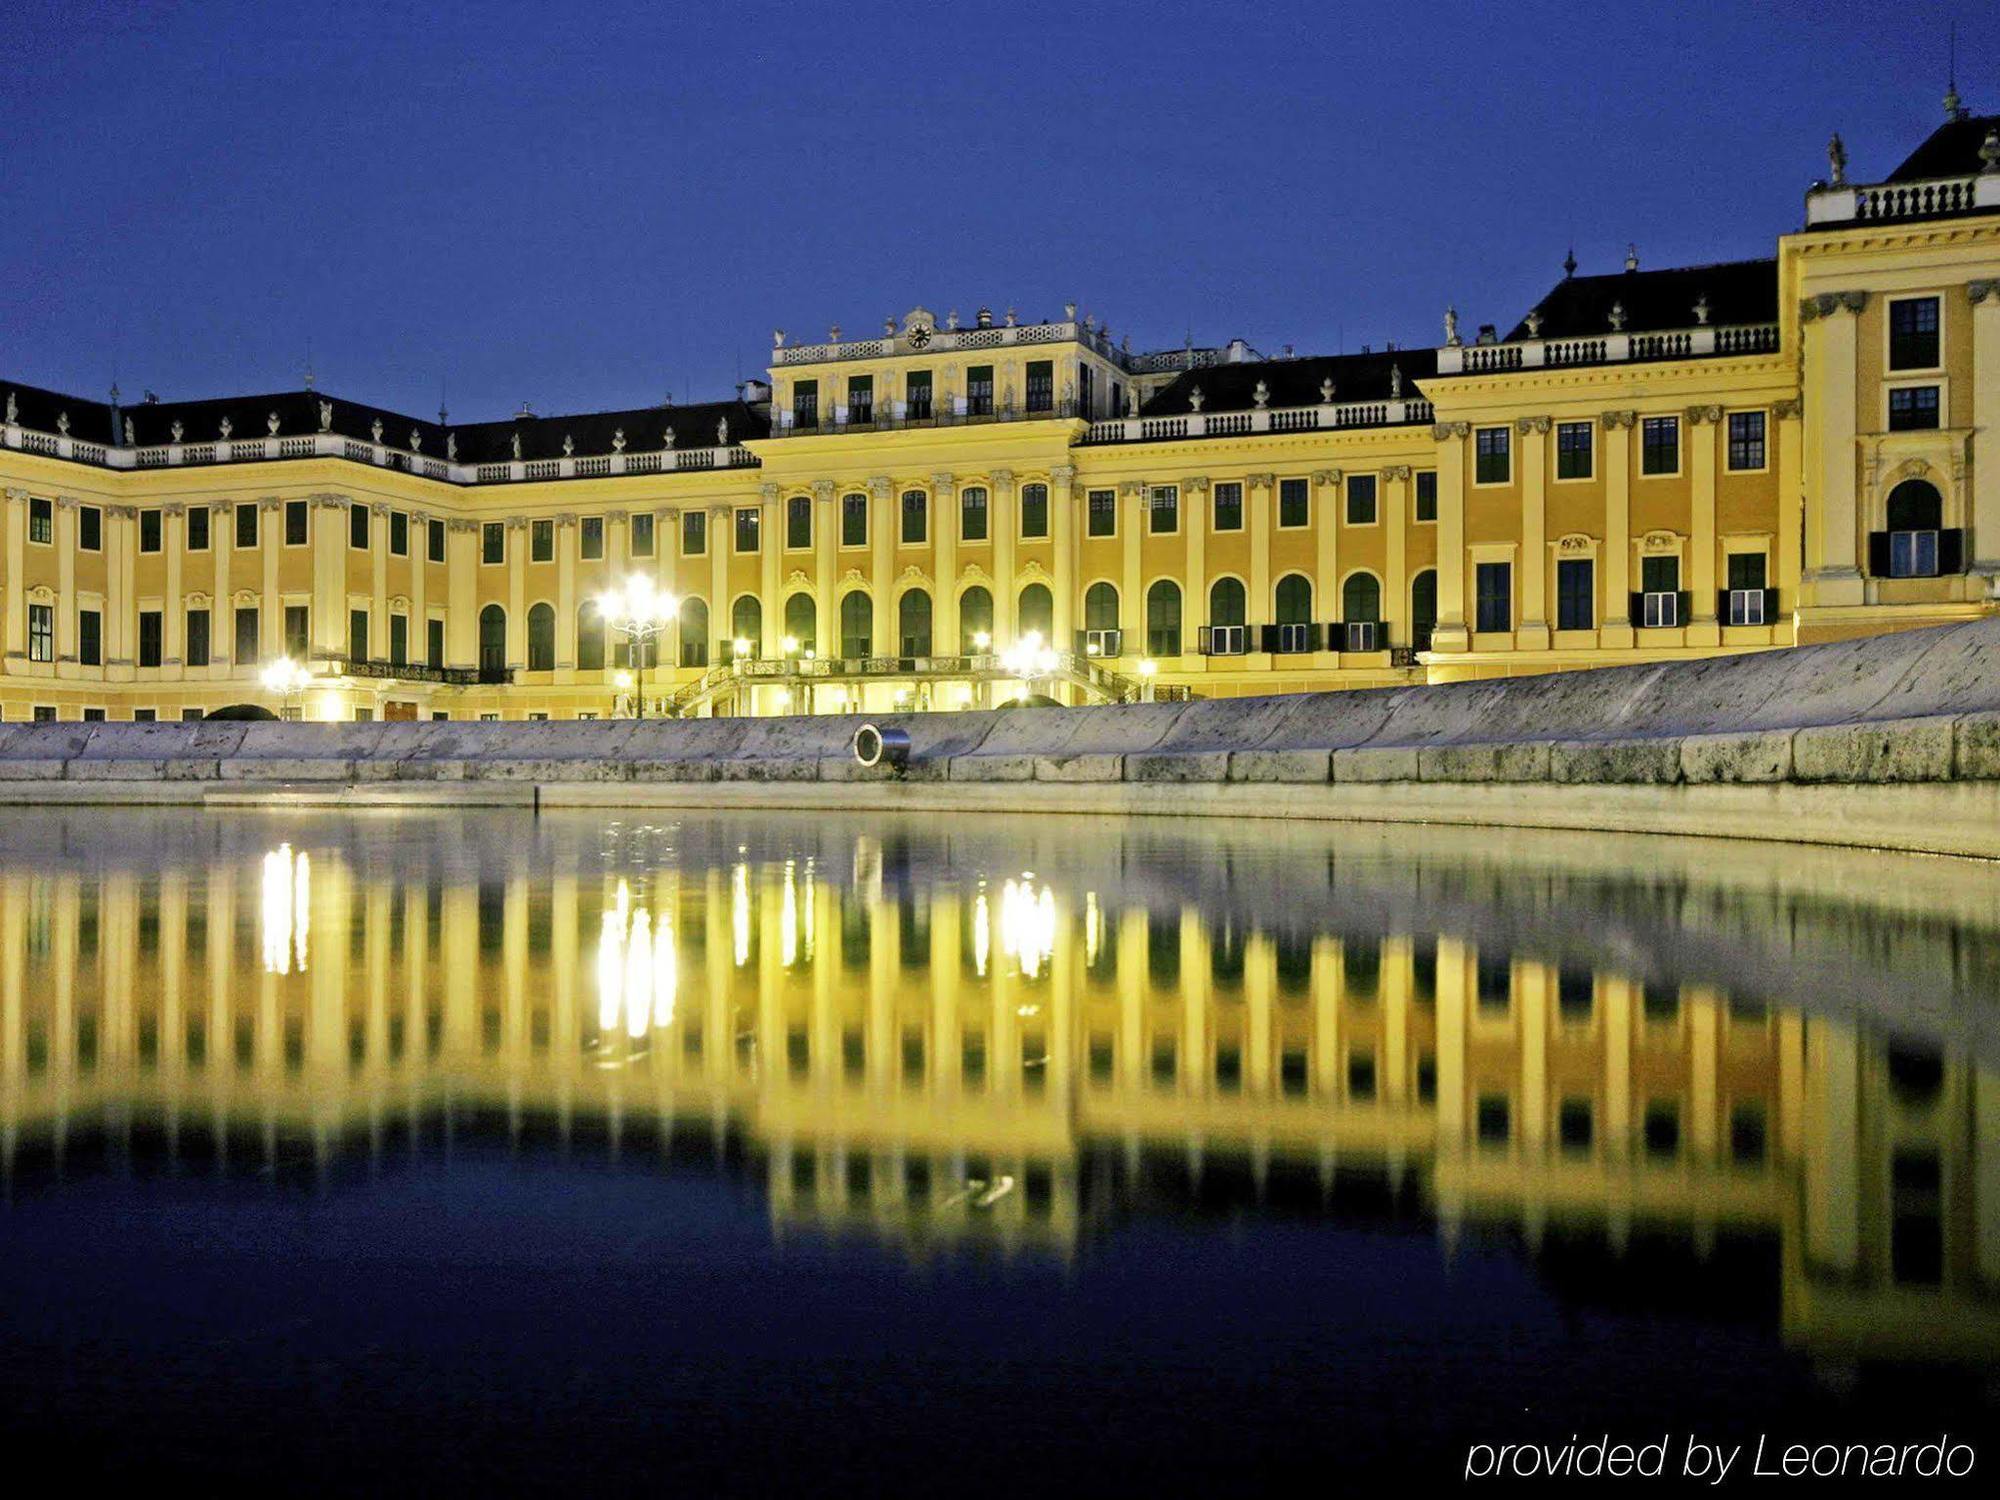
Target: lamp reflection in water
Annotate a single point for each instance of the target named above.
(287, 909)
(638, 976)
(1028, 923)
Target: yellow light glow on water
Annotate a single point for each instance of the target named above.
(739, 912)
(287, 910)
(1028, 924)
(982, 933)
(1093, 927)
(811, 904)
(788, 920)
(638, 970)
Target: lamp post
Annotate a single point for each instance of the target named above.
(642, 612)
(1028, 659)
(288, 679)
(1148, 670)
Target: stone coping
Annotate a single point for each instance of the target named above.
(1914, 706)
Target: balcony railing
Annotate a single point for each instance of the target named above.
(352, 666)
(1198, 424)
(953, 341)
(1887, 201)
(896, 416)
(1608, 349)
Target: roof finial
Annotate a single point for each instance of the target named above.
(1954, 107)
(1569, 263)
(1836, 161)
(1631, 257)
(309, 364)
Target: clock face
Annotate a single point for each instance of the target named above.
(920, 338)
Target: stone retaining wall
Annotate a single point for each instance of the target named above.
(1916, 706)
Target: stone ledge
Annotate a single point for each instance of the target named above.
(1079, 768)
(992, 768)
(1622, 762)
(1758, 756)
(1898, 750)
(1381, 763)
(1496, 762)
(1308, 767)
(1169, 767)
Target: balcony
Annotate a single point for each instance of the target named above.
(1197, 424)
(898, 416)
(352, 666)
(1608, 349)
(1890, 202)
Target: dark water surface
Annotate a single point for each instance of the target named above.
(404, 1152)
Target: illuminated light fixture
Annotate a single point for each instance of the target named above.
(1028, 658)
(981, 639)
(289, 680)
(1148, 667)
(742, 647)
(642, 610)
(789, 645)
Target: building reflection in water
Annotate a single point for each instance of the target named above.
(1013, 1059)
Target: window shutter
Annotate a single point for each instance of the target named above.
(1722, 605)
(1683, 607)
(1878, 553)
(1315, 638)
(1951, 551)
(1081, 646)
(1770, 606)
(1636, 609)
(1267, 638)
(1201, 641)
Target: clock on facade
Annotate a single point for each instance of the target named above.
(920, 338)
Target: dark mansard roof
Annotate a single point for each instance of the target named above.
(1295, 382)
(1737, 292)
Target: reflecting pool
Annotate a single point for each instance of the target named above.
(969, 1154)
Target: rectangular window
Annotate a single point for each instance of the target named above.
(45, 713)
(357, 526)
(90, 528)
(805, 403)
(434, 642)
(399, 639)
(434, 540)
(1361, 500)
(90, 637)
(399, 533)
(1913, 408)
(694, 533)
(197, 637)
(1034, 511)
(151, 637)
(916, 518)
(152, 526)
(1041, 389)
(1746, 440)
(979, 390)
(144, 716)
(1576, 595)
(1101, 513)
(197, 528)
(1495, 596)
(1573, 458)
(854, 520)
(1228, 507)
(493, 544)
(41, 632)
(1163, 510)
(357, 634)
(1746, 602)
(1427, 495)
(1294, 502)
(1492, 452)
(749, 530)
(590, 538)
(642, 534)
(297, 638)
(246, 524)
(972, 514)
(1659, 587)
(542, 541)
(247, 649)
(298, 519)
(93, 716)
(799, 522)
(917, 395)
(1660, 445)
(41, 521)
(861, 398)
(1913, 333)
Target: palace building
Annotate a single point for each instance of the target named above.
(1648, 465)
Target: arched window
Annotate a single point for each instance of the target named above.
(1163, 618)
(975, 619)
(802, 621)
(1100, 607)
(694, 633)
(589, 639)
(1225, 602)
(1361, 599)
(1914, 505)
(542, 638)
(492, 643)
(1038, 611)
(913, 623)
(857, 624)
(746, 623)
(1423, 608)
(1295, 600)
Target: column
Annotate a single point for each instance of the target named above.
(1984, 510)
(1615, 630)
(826, 541)
(1451, 633)
(420, 567)
(65, 582)
(1832, 576)
(270, 604)
(567, 602)
(1257, 497)
(378, 581)
(1326, 543)
(121, 581)
(882, 564)
(517, 593)
(173, 609)
(721, 539)
(461, 628)
(222, 612)
(771, 547)
(1791, 516)
(1131, 531)
(330, 536)
(1005, 525)
(944, 549)
(1062, 528)
(1704, 433)
(16, 594)
(1396, 586)
(1197, 511)
(1533, 634)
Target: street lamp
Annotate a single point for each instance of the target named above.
(642, 612)
(288, 679)
(1029, 659)
(1148, 670)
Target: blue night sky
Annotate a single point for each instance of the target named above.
(587, 205)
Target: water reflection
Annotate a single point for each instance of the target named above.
(1610, 1062)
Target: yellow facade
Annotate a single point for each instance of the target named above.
(1653, 465)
